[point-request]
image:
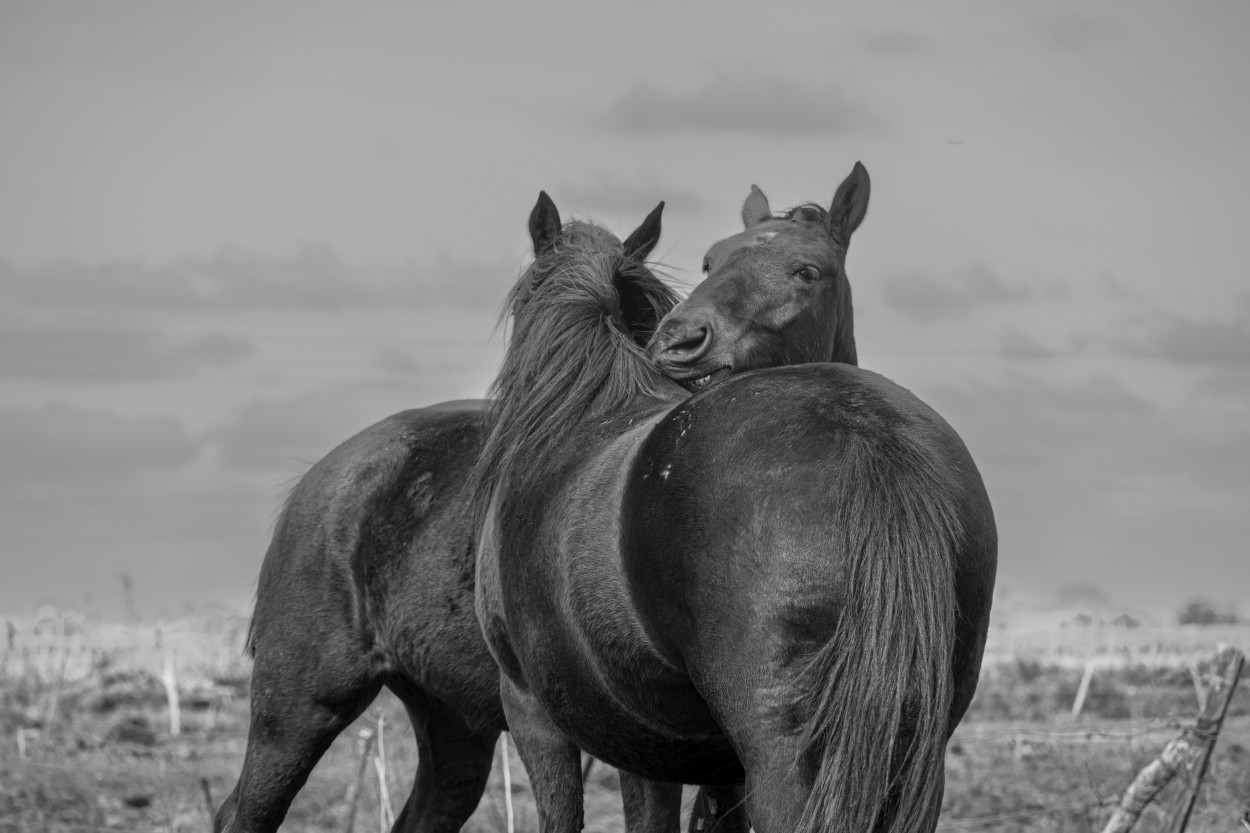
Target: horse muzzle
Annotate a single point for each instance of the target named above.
(682, 349)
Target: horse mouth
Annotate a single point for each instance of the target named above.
(697, 383)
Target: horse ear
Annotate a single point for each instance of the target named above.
(639, 244)
(544, 223)
(850, 204)
(755, 209)
(644, 301)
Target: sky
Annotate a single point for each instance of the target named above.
(232, 235)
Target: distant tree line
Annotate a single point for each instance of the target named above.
(1203, 612)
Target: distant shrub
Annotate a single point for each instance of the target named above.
(1203, 612)
(1028, 669)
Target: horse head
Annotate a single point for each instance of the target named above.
(604, 264)
(776, 293)
(582, 314)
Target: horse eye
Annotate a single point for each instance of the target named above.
(810, 274)
(707, 265)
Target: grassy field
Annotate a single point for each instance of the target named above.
(85, 740)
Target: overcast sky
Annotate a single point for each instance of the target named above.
(231, 235)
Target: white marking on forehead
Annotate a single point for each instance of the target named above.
(765, 236)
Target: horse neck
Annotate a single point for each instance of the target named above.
(533, 419)
(844, 331)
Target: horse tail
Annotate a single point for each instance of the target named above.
(874, 700)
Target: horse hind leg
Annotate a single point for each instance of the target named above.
(302, 698)
(453, 765)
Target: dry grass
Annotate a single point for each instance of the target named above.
(90, 708)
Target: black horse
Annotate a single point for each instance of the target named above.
(782, 581)
(368, 582)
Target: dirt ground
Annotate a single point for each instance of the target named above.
(106, 761)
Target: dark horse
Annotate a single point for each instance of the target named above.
(783, 580)
(369, 582)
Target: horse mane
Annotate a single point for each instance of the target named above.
(581, 315)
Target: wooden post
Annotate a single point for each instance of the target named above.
(366, 744)
(507, 781)
(1208, 728)
(208, 799)
(1083, 689)
(170, 678)
(1200, 690)
(386, 815)
(1190, 753)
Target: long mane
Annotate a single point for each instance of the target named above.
(580, 315)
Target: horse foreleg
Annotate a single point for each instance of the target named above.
(553, 762)
(453, 765)
(650, 806)
(719, 810)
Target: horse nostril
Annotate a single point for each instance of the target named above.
(688, 345)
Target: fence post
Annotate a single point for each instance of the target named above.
(1208, 729)
(170, 679)
(1083, 689)
(386, 815)
(366, 744)
(507, 780)
(1190, 752)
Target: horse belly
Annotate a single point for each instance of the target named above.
(651, 724)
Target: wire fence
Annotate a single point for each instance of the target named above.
(60, 770)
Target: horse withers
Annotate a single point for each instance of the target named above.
(782, 581)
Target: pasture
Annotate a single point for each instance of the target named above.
(86, 743)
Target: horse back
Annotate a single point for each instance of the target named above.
(346, 523)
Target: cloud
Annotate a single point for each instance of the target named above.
(96, 353)
(746, 105)
(1089, 480)
(1024, 419)
(288, 435)
(1016, 345)
(893, 41)
(396, 362)
(629, 196)
(1071, 31)
(928, 297)
(58, 443)
(1096, 439)
(1211, 343)
(311, 279)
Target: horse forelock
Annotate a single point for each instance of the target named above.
(569, 353)
(808, 212)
